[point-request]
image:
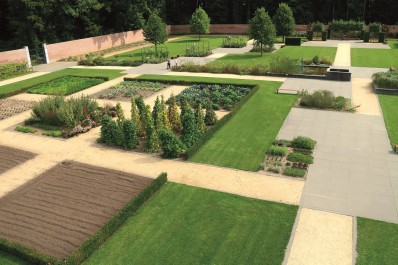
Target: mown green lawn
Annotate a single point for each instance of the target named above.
(241, 143)
(175, 47)
(393, 44)
(6, 259)
(16, 75)
(377, 242)
(255, 58)
(378, 58)
(111, 74)
(187, 225)
(389, 106)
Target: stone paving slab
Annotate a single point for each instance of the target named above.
(364, 97)
(354, 172)
(353, 43)
(365, 72)
(322, 238)
(338, 88)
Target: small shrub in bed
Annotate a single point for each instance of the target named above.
(234, 42)
(25, 129)
(294, 172)
(53, 133)
(284, 65)
(281, 142)
(386, 79)
(301, 158)
(12, 69)
(324, 99)
(172, 147)
(277, 151)
(210, 116)
(190, 132)
(303, 142)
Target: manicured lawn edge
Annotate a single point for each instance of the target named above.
(94, 242)
(209, 133)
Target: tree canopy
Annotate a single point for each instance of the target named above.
(200, 22)
(155, 30)
(262, 30)
(284, 20)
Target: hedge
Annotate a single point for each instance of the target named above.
(310, 35)
(93, 243)
(291, 41)
(324, 35)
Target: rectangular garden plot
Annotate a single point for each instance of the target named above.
(11, 107)
(58, 211)
(11, 157)
(66, 85)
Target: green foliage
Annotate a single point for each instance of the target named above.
(284, 65)
(317, 27)
(303, 143)
(261, 28)
(119, 113)
(199, 49)
(222, 68)
(190, 132)
(389, 105)
(135, 118)
(12, 69)
(315, 60)
(172, 147)
(65, 85)
(386, 79)
(200, 119)
(152, 143)
(276, 151)
(173, 115)
(25, 129)
(141, 106)
(294, 172)
(234, 42)
(58, 111)
(52, 133)
(281, 142)
(210, 116)
(374, 27)
(165, 117)
(147, 121)
(95, 241)
(199, 22)
(300, 158)
(284, 20)
(324, 99)
(157, 115)
(129, 134)
(346, 25)
(111, 132)
(155, 30)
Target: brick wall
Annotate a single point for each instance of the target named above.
(222, 29)
(13, 56)
(65, 49)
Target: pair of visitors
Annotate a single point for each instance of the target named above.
(175, 61)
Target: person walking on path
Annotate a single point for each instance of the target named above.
(169, 63)
(176, 61)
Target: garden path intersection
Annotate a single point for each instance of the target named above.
(358, 179)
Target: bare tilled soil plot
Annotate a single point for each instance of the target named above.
(11, 157)
(58, 211)
(11, 107)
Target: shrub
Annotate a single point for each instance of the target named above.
(210, 116)
(129, 134)
(310, 35)
(277, 151)
(25, 129)
(315, 60)
(303, 143)
(301, 158)
(317, 27)
(234, 42)
(281, 142)
(292, 41)
(366, 37)
(386, 79)
(12, 69)
(152, 144)
(173, 115)
(53, 133)
(326, 60)
(374, 27)
(346, 26)
(262, 30)
(172, 147)
(284, 65)
(199, 49)
(294, 172)
(190, 132)
(324, 35)
(322, 99)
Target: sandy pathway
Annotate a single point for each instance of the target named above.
(21, 78)
(363, 95)
(322, 238)
(343, 55)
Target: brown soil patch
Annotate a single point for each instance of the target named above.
(59, 210)
(11, 157)
(121, 97)
(11, 107)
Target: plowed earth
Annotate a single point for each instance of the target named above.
(11, 157)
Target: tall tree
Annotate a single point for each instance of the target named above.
(155, 31)
(200, 22)
(262, 30)
(284, 20)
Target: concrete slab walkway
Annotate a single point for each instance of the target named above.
(355, 172)
(322, 238)
(343, 55)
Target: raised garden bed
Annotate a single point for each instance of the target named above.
(66, 85)
(289, 158)
(336, 74)
(125, 90)
(386, 82)
(59, 213)
(325, 100)
(11, 107)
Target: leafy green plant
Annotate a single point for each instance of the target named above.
(234, 42)
(284, 20)
(52, 133)
(262, 30)
(301, 158)
(277, 151)
(281, 142)
(284, 65)
(315, 60)
(317, 27)
(190, 132)
(25, 129)
(199, 22)
(294, 172)
(386, 79)
(172, 147)
(303, 143)
(155, 30)
(129, 134)
(200, 49)
(324, 99)
(12, 69)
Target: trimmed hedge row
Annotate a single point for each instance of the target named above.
(24, 89)
(291, 41)
(93, 243)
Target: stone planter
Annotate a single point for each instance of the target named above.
(336, 74)
(381, 90)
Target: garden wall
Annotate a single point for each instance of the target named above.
(65, 49)
(221, 29)
(13, 56)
